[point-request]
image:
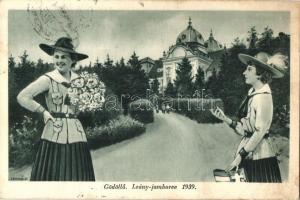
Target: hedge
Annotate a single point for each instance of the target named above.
(23, 141)
(197, 109)
(115, 131)
(142, 110)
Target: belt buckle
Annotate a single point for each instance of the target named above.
(67, 115)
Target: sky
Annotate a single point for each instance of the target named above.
(120, 33)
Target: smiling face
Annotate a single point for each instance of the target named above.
(62, 61)
(250, 74)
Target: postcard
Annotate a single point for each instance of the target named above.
(149, 99)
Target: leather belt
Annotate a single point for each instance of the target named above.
(63, 115)
(249, 134)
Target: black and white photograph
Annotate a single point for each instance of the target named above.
(151, 100)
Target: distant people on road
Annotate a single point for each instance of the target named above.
(168, 108)
(163, 108)
(157, 108)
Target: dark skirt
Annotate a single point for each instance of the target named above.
(262, 170)
(62, 162)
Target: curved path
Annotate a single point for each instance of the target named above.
(174, 148)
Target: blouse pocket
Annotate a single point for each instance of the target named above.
(57, 98)
(79, 126)
(57, 125)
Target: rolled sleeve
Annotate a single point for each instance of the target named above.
(264, 113)
(25, 97)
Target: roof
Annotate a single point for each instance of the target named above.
(212, 44)
(197, 51)
(147, 60)
(190, 35)
(154, 70)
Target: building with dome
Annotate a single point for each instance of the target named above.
(200, 52)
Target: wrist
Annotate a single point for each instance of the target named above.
(243, 153)
(233, 124)
(41, 109)
(228, 120)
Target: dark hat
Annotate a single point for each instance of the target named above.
(274, 64)
(63, 44)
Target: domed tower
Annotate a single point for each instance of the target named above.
(190, 36)
(211, 44)
(189, 44)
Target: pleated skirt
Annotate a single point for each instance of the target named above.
(62, 162)
(262, 170)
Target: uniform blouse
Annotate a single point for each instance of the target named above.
(62, 130)
(257, 121)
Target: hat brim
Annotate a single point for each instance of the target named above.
(49, 49)
(244, 58)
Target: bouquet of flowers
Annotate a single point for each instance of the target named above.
(87, 92)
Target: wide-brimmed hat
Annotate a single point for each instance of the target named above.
(275, 65)
(63, 44)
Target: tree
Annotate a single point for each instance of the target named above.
(170, 90)
(134, 62)
(213, 84)
(98, 67)
(252, 39)
(183, 82)
(232, 86)
(12, 87)
(155, 86)
(199, 81)
(264, 42)
(108, 63)
(122, 62)
(126, 82)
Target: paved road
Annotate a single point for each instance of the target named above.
(174, 148)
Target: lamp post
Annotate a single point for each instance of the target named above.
(202, 94)
(147, 93)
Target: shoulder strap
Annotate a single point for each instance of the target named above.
(243, 109)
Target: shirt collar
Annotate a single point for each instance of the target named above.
(264, 89)
(55, 75)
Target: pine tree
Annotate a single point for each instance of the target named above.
(183, 82)
(122, 62)
(232, 86)
(155, 86)
(98, 68)
(25, 72)
(134, 62)
(12, 86)
(264, 42)
(252, 39)
(108, 63)
(199, 81)
(170, 90)
(213, 84)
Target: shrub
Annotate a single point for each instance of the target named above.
(116, 130)
(142, 110)
(197, 109)
(281, 121)
(23, 141)
(100, 117)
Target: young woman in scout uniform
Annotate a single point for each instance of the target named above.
(63, 154)
(255, 153)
